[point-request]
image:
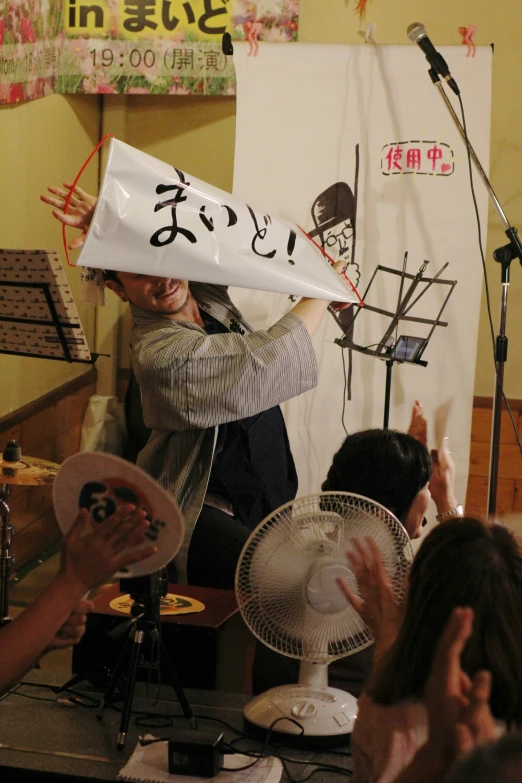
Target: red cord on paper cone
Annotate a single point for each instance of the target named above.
(69, 197)
(330, 259)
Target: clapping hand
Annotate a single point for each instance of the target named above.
(93, 558)
(442, 481)
(79, 213)
(377, 603)
(458, 707)
(418, 428)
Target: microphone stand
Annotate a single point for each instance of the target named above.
(504, 256)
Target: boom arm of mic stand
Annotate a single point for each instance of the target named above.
(510, 231)
(504, 256)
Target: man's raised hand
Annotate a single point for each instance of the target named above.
(79, 213)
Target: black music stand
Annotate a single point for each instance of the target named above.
(38, 316)
(392, 348)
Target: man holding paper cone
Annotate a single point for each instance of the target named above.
(211, 389)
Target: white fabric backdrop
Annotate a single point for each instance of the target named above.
(301, 112)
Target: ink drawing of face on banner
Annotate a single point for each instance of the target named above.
(334, 213)
(102, 483)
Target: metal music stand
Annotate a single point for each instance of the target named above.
(392, 348)
(38, 316)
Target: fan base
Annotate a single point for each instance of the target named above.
(305, 716)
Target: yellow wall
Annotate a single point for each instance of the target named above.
(51, 137)
(41, 141)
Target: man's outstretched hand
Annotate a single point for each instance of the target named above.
(79, 213)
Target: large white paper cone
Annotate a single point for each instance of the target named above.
(153, 219)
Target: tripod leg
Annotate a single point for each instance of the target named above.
(70, 683)
(113, 682)
(387, 393)
(178, 688)
(129, 689)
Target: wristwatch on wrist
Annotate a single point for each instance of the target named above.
(458, 511)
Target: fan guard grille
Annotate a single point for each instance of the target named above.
(306, 538)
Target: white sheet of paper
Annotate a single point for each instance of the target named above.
(150, 763)
(152, 218)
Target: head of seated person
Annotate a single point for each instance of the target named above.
(389, 467)
(494, 762)
(463, 563)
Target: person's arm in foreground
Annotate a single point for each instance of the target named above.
(377, 604)
(458, 708)
(56, 618)
(442, 481)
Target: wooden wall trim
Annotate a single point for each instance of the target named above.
(487, 402)
(47, 400)
(124, 374)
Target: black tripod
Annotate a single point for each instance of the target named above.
(145, 613)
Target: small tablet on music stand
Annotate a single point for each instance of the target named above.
(408, 349)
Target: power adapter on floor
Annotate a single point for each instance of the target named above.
(196, 752)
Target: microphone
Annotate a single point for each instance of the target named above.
(417, 33)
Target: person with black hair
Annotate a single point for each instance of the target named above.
(461, 728)
(462, 563)
(492, 762)
(396, 470)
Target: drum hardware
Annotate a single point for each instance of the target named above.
(21, 471)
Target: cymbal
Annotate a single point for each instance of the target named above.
(29, 471)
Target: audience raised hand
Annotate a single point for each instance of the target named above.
(56, 619)
(442, 480)
(377, 603)
(459, 716)
(79, 213)
(433, 694)
(418, 428)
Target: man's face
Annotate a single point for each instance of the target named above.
(162, 295)
(338, 240)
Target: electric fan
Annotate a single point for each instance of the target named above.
(288, 594)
